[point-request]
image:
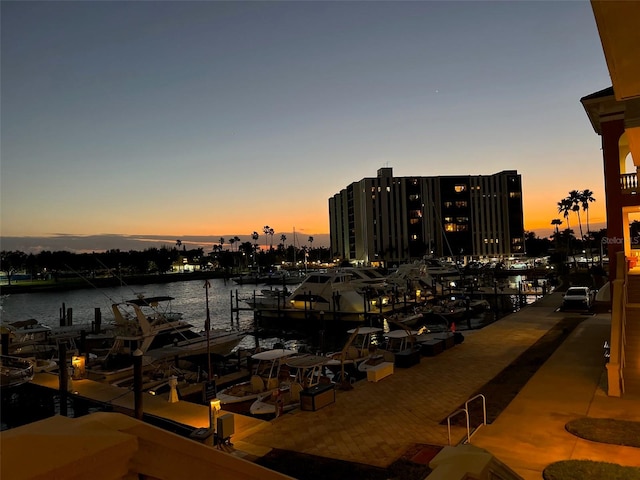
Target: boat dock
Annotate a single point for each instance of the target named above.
(187, 414)
(377, 423)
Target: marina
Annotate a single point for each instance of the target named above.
(361, 424)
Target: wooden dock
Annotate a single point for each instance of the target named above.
(187, 414)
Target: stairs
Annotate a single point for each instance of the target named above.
(632, 334)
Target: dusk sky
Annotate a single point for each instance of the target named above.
(188, 120)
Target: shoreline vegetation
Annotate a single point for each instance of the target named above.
(77, 283)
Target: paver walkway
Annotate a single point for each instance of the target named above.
(375, 423)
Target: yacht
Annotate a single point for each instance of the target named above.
(149, 326)
(15, 371)
(331, 295)
(268, 372)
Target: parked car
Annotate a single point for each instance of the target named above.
(577, 298)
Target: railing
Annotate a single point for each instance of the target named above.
(629, 182)
(465, 410)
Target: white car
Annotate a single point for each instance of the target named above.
(577, 298)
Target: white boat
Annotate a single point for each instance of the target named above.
(366, 277)
(266, 377)
(268, 298)
(396, 342)
(284, 277)
(148, 325)
(331, 295)
(15, 371)
(30, 338)
(308, 373)
(361, 345)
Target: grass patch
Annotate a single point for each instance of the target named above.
(606, 430)
(589, 470)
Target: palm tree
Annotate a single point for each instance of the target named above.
(556, 222)
(268, 231)
(310, 240)
(575, 197)
(283, 239)
(178, 243)
(564, 207)
(232, 240)
(265, 230)
(586, 197)
(255, 237)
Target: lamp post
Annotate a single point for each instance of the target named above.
(207, 327)
(137, 384)
(214, 408)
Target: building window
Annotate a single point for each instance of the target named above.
(461, 203)
(462, 219)
(461, 228)
(514, 194)
(448, 219)
(460, 188)
(450, 227)
(448, 204)
(414, 197)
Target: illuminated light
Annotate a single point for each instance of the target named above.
(78, 365)
(214, 408)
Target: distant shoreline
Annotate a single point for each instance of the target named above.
(66, 284)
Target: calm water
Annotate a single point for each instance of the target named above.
(189, 298)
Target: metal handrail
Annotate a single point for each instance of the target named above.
(465, 410)
(466, 413)
(484, 406)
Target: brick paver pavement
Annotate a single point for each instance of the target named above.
(376, 423)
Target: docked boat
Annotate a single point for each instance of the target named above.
(284, 277)
(268, 371)
(150, 326)
(308, 373)
(15, 371)
(30, 338)
(361, 345)
(331, 295)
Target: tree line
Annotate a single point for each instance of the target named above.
(229, 256)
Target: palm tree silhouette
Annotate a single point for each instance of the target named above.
(255, 237)
(265, 230)
(575, 197)
(586, 197)
(564, 207)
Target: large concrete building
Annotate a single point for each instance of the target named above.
(389, 219)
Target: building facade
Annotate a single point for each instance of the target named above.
(389, 219)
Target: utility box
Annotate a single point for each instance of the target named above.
(316, 397)
(407, 358)
(225, 426)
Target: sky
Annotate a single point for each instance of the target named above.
(127, 124)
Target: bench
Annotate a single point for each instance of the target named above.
(431, 348)
(378, 372)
